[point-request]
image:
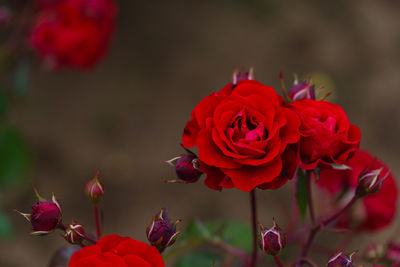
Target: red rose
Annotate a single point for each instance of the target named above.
(326, 134)
(74, 32)
(243, 134)
(117, 251)
(376, 210)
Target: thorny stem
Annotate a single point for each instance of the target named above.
(278, 261)
(97, 221)
(253, 204)
(325, 222)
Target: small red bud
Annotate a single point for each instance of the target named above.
(341, 260)
(302, 90)
(5, 17)
(161, 233)
(74, 233)
(374, 252)
(370, 182)
(45, 216)
(272, 240)
(241, 75)
(186, 168)
(94, 189)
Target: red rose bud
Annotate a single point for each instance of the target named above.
(370, 182)
(74, 233)
(341, 260)
(45, 216)
(94, 189)
(374, 252)
(302, 90)
(5, 17)
(186, 168)
(272, 240)
(238, 76)
(161, 233)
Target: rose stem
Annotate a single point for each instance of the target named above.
(309, 197)
(278, 261)
(96, 219)
(254, 226)
(327, 221)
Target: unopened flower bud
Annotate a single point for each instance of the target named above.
(186, 168)
(74, 233)
(45, 216)
(272, 240)
(241, 75)
(302, 90)
(341, 260)
(370, 182)
(94, 189)
(374, 252)
(5, 17)
(161, 233)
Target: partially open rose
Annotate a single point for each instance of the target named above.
(117, 251)
(326, 134)
(243, 134)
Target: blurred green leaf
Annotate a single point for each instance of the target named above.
(238, 235)
(3, 104)
(301, 192)
(21, 78)
(199, 229)
(14, 156)
(198, 259)
(6, 230)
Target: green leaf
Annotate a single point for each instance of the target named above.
(301, 192)
(198, 259)
(198, 229)
(6, 230)
(14, 156)
(3, 104)
(238, 235)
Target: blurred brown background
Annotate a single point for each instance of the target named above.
(127, 115)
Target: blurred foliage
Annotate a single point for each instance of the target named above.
(233, 233)
(6, 229)
(14, 156)
(199, 259)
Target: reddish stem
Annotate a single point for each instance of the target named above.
(96, 219)
(278, 261)
(309, 197)
(325, 222)
(253, 204)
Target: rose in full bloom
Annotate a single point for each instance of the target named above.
(374, 211)
(117, 251)
(327, 136)
(244, 135)
(73, 33)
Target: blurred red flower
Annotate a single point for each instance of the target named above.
(326, 134)
(243, 134)
(375, 211)
(73, 33)
(114, 250)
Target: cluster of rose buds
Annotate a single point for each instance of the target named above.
(46, 216)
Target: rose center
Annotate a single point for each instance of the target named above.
(245, 127)
(328, 123)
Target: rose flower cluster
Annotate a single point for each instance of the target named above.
(248, 137)
(73, 33)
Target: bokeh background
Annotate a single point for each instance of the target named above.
(127, 115)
